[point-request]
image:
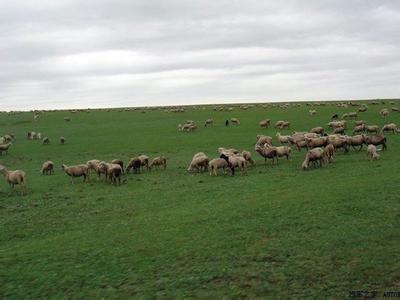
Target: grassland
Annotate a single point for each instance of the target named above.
(279, 231)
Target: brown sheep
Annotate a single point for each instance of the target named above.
(318, 130)
(14, 177)
(217, 163)
(372, 128)
(76, 171)
(158, 161)
(389, 127)
(134, 164)
(375, 140)
(359, 128)
(356, 140)
(236, 161)
(199, 163)
(264, 139)
(313, 155)
(372, 153)
(47, 168)
(119, 162)
(265, 123)
(267, 152)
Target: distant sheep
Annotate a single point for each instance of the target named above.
(47, 168)
(4, 148)
(46, 141)
(235, 121)
(264, 123)
(199, 163)
(389, 127)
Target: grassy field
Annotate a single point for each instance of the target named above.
(279, 231)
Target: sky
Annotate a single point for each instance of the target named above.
(121, 53)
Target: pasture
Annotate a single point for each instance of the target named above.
(279, 231)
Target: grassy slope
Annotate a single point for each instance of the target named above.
(277, 231)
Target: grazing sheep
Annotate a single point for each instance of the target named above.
(395, 109)
(7, 138)
(312, 112)
(372, 153)
(375, 140)
(113, 171)
(334, 116)
(118, 162)
(236, 161)
(189, 127)
(144, 160)
(4, 148)
(67, 119)
(329, 152)
(359, 128)
(46, 141)
(359, 122)
(158, 161)
(227, 152)
(363, 109)
(267, 152)
(339, 130)
(318, 130)
(336, 124)
(47, 168)
(14, 177)
(265, 123)
(313, 155)
(134, 164)
(62, 140)
(339, 142)
(384, 112)
(199, 163)
(76, 171)
(283, 139)
(93, 164)
(372, 128)
(356, 140)
(247, 156)
(264, 139)
(317, 142)
(389, 127)
(217, 163)
(235, 121)
(284, 125)
(283, 151)
(208, 122)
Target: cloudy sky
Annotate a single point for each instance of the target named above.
(105, 53)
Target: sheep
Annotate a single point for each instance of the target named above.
(67, 119)
(363, 109)
(134, 164)
(47, 168)
(264, 139)
(283, 151)
(339, 142)
(279, 123)
(372, 153)
(267, 152)
(62, 140)
(284, 125)
(227, 152)
(158, 161)
(7, 138)
(46, 141)
(359, 122)
(4, 148)
(189, 127)
(217, 163)
(14, 177)
(389, 127)
(384, 112)
(375, 140)
(329, 152)
(312, 112)
(317, 142)
(247, 156)
(199, 162)
(311, 135)
(118, 162)
(356, 140)
(339, 130)
(76, 171)
(394, 108)
(372, 128)
(92, 164)
(283, 139)
(265, 123)
(113, 171)
(235, 121)
(359, 128)
(313, 155)
(335, 124)
(236, 161)
(208, 122)
(144, 161)
(334, 117)
(318, 130)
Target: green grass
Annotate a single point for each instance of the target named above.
(279, 231)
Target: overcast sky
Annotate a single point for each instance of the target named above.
(99, 53)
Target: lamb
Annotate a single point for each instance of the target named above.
(283, 139)
(4, 148)
(235, 121)
(158, 161)
(62, 140)
(359, 128)
(313, 155)
(199, 162)
(318, 130)
(236, 161)
(265, 123)
(46, 141)
(375, 140)
(247, 156)
(372, 153)
(389, 127)
(134, 164)
(76, 171)
(47, 168)
(14, 177)
(217, 163)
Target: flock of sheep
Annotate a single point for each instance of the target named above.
(321, 149)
